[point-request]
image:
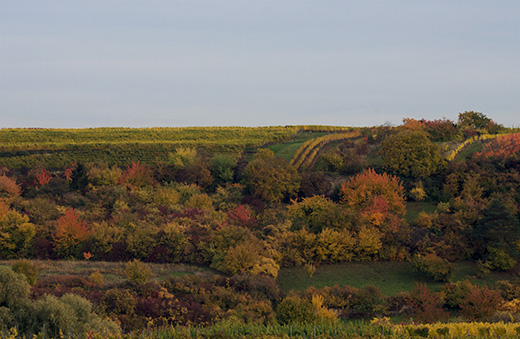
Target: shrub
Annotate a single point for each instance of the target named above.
(298, 310)
(28, 269)
(69, 315)
(137, 272)
(499, 260)
(427, 305)
(456, 292)
(369, 301)
(14, 288)
(118, 301)
(480, 303)
(433, 266)
(96, 278)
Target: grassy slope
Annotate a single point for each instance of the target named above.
(113, 272)
(390, 277)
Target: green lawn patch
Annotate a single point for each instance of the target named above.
(390, 277)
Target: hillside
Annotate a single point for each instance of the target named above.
(193, 226)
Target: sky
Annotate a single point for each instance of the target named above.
(76, 64)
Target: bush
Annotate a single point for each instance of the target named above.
(433, 266)
(456, 292)
(118, 301)
(369, 302)
(137, 272)
(298, 310)
(499, 260)
(28, 269)
(14, 288)
(96, 278)
(480, 303)
(427, 305)
(70, 315)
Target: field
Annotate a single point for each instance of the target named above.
(120, 146)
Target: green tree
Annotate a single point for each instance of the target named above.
(270, 178)
(222, 168)
(412, 154)
(16, 233)
(473, 120)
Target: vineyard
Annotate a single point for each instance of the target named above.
(378, 328)
(306, 155)
(509, 141)
(120, 146)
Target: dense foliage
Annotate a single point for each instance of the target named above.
(206, 197)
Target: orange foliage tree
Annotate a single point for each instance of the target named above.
(70, 232)
(378, 200)
(8, 187)
(137, 175)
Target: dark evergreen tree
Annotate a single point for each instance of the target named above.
(79, 179)
(498, 229)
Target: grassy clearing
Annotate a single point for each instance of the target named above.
(390, 277)
(414, 208)
(113, 272)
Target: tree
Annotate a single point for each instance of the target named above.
(374, 193)
(16, 233)
(498, 229)
(222, 168)
(79, 179)
(473, 120)
(270, 178)
(412, 154)
(70, 232)
(317, 213)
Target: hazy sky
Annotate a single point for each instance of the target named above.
(256, 63)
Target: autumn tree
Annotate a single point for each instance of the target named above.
(137, 175)
(70, 232)
(270, 178)
(378, 198)
(377, 202)
(9, 189)
(412, 154)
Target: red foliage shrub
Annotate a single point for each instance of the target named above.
(43, 177)
(480, 303)
(427, 305)
(243, 215)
